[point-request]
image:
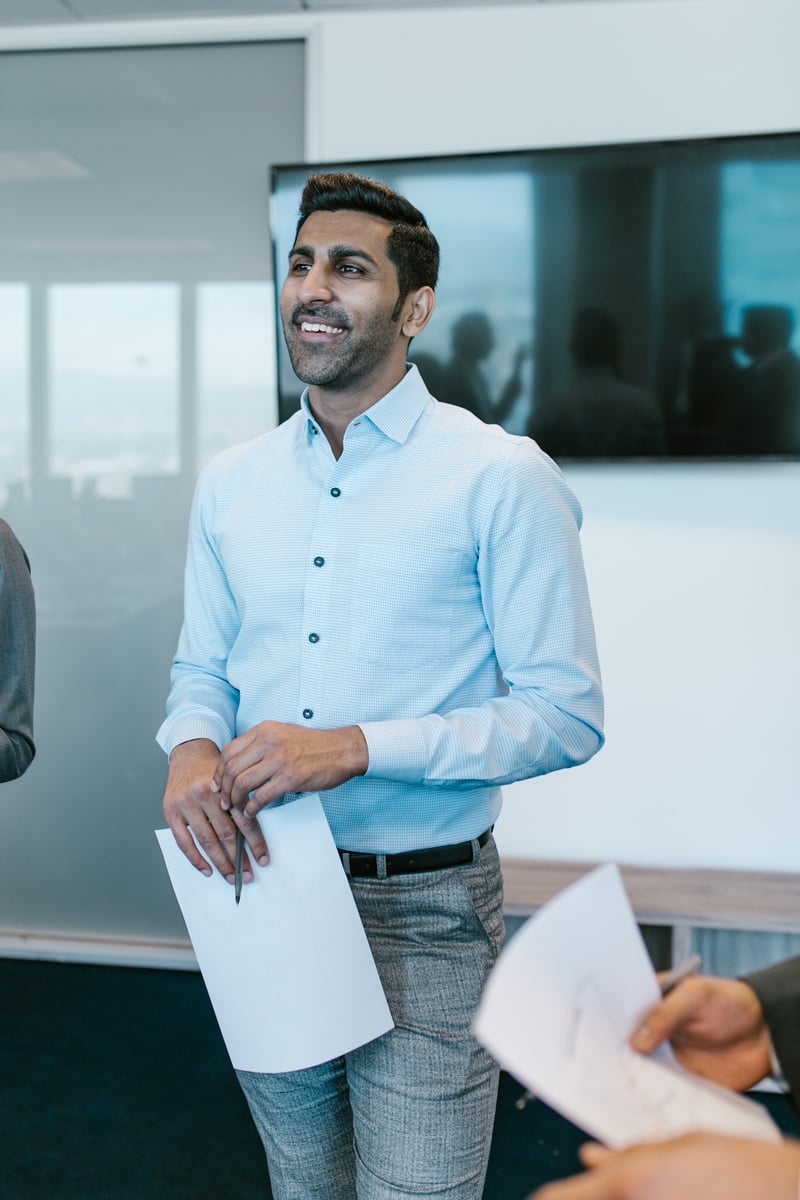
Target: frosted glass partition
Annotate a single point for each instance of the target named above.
(114, 371)
(137, 340)
(236, 352)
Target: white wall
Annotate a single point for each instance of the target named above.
(509, 76)
(693, 568)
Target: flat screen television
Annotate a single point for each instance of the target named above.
(624, 302)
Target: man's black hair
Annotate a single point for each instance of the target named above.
(411, 246)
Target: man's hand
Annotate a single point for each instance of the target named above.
(716, 1028)
(189, 803)
(699, 1166)
(274, 758)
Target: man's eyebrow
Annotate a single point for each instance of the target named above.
(334, 253)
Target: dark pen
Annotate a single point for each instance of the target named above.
(239, 863)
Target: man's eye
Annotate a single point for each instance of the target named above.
(299, 267)
(349, 269)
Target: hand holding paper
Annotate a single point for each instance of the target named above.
(289, 971)
(559, 1007)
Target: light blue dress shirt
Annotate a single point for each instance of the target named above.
(428, 586)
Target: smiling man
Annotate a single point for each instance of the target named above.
(385, 603)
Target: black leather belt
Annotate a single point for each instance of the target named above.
(365, 866)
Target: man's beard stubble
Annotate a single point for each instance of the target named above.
(339, 365)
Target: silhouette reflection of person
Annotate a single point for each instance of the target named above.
(769, 409)
(714, 388)
(744, 391)
(464, 380)
(599, 414)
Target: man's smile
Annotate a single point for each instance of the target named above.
(320, 327)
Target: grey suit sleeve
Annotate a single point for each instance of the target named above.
(17, 657)
(778, 989)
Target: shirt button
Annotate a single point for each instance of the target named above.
(313, 637)
(307, 713)
(336, 492)
(319, 561)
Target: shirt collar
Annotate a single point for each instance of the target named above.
(395, 414)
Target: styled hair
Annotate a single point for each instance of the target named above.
(411, 246)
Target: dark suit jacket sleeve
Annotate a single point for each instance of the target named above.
(778, 989)
(17, 657)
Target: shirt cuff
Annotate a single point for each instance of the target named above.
(189, 729)
(776, 1070)
(397, 750)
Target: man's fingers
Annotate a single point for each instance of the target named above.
(254, 837)
(673, 1011)
(270, 791)
(592, 1154)
(216, 836)
(204, 846)
(214, 842)
(239, 781)
(187, 844)
(236, 760)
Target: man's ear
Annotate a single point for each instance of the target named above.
(418, 308)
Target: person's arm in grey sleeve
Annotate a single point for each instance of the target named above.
(778, 989)
(17, 657)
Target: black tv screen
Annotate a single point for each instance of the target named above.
(624, 302)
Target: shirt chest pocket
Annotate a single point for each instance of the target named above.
(403, 604)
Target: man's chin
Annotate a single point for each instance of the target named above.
(314, 375)
(317, 369)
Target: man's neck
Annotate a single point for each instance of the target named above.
(334, 410)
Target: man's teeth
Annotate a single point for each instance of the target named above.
(317, 327)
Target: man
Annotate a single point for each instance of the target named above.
(17, 657)
(385, 603)
(734, 1032)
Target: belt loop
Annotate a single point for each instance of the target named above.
(380, 866)
(345, 857)
(476, 849)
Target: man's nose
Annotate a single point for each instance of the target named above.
(316, 283)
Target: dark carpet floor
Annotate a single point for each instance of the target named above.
(115, 1085)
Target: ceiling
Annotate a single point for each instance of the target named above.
(38, 12)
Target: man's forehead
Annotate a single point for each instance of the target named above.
(343, 225)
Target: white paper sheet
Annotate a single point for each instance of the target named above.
(558, 1009)
(289, 970)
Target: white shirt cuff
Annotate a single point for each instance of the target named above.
(397, 749)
